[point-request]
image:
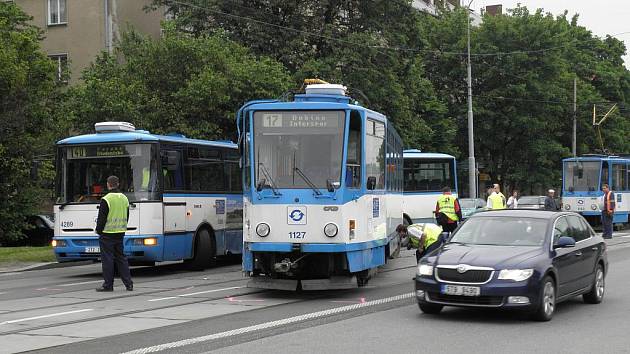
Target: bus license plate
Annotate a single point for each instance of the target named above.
(461, 290)
(92, 250)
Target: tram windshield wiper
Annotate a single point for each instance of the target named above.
(307, 180)
(261, 183)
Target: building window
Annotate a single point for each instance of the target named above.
(57, 12)
(61, 61)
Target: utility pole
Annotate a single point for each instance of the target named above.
(574, 117)
(472, 168)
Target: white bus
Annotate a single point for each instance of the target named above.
(425, 174)
(185, 195)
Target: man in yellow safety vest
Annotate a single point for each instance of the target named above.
(111, 225)
(447, 210)
(423, 237)
(496, 200)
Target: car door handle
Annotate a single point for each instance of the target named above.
(578, 254)
(594, 248)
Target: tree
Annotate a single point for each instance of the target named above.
(27, 93)
(180, 83)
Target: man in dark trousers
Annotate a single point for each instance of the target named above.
(447, 210)
(608, 211)
(111, 225)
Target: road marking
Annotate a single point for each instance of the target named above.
(81, 283)
(45, 316)
(197, 293)
(231, 299)
(2, 293)
(51, 289)
(278, 323)
(359, 300)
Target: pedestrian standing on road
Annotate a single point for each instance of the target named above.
(512, 202)
(496, 200)
(447, 210)
(111, 225)
(423, 237)
(608, 211)
(550, 201)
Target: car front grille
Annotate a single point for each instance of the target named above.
(471, 276)
(466, 300)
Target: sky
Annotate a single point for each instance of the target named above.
(602, 17)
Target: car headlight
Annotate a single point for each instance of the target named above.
(425, 270)
(331, 230)
(516, 274)
(263, 229)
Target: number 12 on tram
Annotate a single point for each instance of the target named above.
(322, 191)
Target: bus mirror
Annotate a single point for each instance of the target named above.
(261, 184)
(371, 183)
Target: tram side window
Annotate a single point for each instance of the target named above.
(604, 176)
(619, 177)
(353, 160)
(375, 154)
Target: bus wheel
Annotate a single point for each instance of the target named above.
(204, 256)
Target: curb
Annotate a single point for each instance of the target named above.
(47, 265)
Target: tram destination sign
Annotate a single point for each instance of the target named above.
(302, 120)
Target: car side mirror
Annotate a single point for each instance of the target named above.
(564, 242)
(371, 183)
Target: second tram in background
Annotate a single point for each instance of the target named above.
(582, 180)
(425, 174)
(322, 191)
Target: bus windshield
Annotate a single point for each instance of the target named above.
(429, 175)
(298, 149)
(581, 176)
(84, 170)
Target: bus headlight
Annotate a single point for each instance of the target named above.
(263, 229)
(152, 241)
(331, 230)
(58, 243)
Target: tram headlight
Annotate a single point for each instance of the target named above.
(263, 229)
(567, 207)
(593, 206)
(331, 230)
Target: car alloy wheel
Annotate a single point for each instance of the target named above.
(549, 299)
(596, 295)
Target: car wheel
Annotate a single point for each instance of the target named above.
(547, 301)
(431, 309)
(596, 295)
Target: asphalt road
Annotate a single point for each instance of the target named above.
(174, 310)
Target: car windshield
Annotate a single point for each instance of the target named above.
(84, 171)
(530, 200)
(581, 175)
(502, 231)
(298, 149)
(468, 203)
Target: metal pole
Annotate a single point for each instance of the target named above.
(472, 168)
(574, 117)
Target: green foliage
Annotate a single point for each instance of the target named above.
(27, 90)
(180, 83)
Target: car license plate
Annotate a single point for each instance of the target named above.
(461, 290)
(92, 250)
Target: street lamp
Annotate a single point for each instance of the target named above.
(472, 168)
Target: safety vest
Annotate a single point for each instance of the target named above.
(146, 178)
(607, 197)
(497, 200)
(446, 203)
(118, 205)
(415, 231)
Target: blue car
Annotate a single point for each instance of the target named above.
(521, 259)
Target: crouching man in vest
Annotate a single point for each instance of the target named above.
(423, 237)
(111, 225)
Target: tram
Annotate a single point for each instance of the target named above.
(322, 190)
(425, 174)
(582, 180)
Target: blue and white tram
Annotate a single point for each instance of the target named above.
(185, 195)
(322, 191)
(582, 179)
(425, 174)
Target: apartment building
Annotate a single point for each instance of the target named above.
(76, 31)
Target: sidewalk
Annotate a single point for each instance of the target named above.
(21, 267)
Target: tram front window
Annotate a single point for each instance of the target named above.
(293, 149)
(581, 176)
(85, 170)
